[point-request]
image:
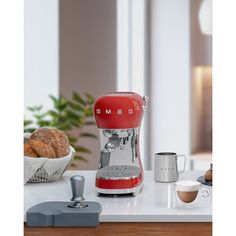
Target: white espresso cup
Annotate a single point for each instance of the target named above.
(187, 190)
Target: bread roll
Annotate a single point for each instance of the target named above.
(208, 174)
(56, 138)
(42, 149)
(28, 151)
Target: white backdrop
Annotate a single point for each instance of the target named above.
(41, 74)
(170, 76)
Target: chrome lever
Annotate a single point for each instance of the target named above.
(145, 99)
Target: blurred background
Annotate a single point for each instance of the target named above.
(157, 48)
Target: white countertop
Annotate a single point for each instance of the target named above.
(155, 203)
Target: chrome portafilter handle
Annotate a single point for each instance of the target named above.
(110, 146)
(113, 143)
(77, 187)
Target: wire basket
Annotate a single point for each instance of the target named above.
(43, 169)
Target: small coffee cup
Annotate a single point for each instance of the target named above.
(187, 190)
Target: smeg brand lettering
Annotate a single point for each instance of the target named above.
(108, 111)
(130, 111)
(118, 111)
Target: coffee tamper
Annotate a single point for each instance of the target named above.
(77, 186)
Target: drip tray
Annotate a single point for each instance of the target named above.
(116, 195)
(118, 172)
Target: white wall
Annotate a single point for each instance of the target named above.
(41, 52)
(131, 59)
(170, 76)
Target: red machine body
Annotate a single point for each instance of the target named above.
(119, 110)
(118, 116)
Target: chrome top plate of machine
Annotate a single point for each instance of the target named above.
(118, 172)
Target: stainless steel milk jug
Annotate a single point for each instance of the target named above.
(166, 166)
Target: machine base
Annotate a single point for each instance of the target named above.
(133, 191)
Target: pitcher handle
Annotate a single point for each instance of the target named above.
(181, 171)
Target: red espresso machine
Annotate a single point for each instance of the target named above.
(118, 116)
